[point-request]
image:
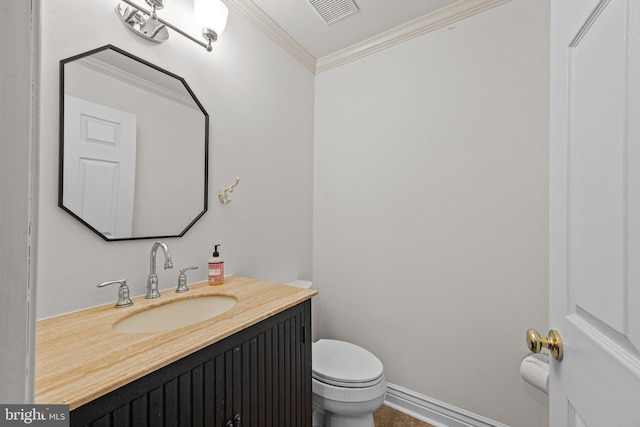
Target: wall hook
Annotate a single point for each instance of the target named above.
(224, 196)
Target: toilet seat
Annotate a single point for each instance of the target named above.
(343, 364)
(349, 394)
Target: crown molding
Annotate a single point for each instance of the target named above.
(274, 31)
(137, 81)
(440, 18)
(432, 21)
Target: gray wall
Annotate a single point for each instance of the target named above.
(260, 103)
(430, 209)
(16, 314)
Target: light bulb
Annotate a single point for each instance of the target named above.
(211, 14)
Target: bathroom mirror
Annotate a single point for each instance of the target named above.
(133, 147)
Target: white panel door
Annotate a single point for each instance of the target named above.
(595, 212)
(99, 165)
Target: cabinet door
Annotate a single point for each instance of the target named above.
(228, 396)
(274, 387)
(260, 376)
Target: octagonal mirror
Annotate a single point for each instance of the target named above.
(133, 147)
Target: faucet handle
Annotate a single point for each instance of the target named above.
(182, 279)
(123, 292)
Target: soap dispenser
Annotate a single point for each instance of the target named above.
(216, 268)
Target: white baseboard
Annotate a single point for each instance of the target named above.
(433, 411)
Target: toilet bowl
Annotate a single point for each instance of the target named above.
(348, 382)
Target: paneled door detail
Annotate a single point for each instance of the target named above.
(100, 164)
(595, 212)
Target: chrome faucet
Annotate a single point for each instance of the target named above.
(152, 281)
(123, 292)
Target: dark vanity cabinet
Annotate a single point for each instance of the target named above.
(260, 376)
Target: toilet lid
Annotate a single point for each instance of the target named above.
(339, 362)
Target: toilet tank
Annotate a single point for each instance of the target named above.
(304, 284)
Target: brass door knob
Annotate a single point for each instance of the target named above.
(553, 342)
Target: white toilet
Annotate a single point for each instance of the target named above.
(348, 382)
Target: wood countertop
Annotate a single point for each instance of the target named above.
(79, 357)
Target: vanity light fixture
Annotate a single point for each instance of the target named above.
(210, 14)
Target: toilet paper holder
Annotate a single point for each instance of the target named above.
(534, 370)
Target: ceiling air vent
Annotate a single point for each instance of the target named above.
(333, 10)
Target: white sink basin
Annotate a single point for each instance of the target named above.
(175, 314)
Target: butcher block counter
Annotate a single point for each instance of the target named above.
(79, 357)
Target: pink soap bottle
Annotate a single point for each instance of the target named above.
(216, 268)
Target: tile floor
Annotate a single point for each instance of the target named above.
(388, 417)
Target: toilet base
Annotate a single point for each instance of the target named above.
(329, 413)
(323, 419)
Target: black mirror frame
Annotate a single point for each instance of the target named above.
(61, 147)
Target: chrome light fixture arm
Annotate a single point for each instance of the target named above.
(149, 25)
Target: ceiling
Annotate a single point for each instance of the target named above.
(378, 24)
(304, 24)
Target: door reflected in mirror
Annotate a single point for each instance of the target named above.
(133, 147)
